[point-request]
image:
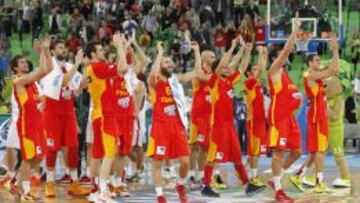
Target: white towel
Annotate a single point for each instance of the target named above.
(179, 97)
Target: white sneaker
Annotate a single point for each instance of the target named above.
(107, 197)
(342, 183)
(93, 197)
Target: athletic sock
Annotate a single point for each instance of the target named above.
(159, 191)
(253, 172)
(277, 182)
(103, 185)
(26, 186)
(181, 181)
(74, 175)
(319, 177)
(50, 176)
(200, 175)
(88, 174)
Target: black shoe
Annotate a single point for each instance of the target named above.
(208, 192)
(218, 179)
(252, 189)
(134, 178)
(3, 172)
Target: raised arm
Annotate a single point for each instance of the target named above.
(78, 60)
(236, 59)
(143, 60)
(334, 66)
(246, 60)
(45, 66)
(155, 69)
(119, 42)
(284, 54)
(187, 77)
(261, 65)
(225, 59)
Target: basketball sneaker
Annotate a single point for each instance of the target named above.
(218, 183)
(341, 183)
(49, 190)
(207, 191)
(254, 186)
(161, 199)
(282, 197)
(297, 182)
(66, 179)
(181, 190)
(28, 197)
(309, 180)
(85, 180)
(321, 188)
(76, 189)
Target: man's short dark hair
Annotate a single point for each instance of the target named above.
(310, 58)
(14, 62)
(90, 48)
(56, 42)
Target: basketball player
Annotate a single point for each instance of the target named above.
(60, 122)
(255, 121)
(168, 132)
(317, 116)
(224, 144)
(30, 121)
(99, 76)
(200, 121)
(284, 129)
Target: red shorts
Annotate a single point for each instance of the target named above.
(105, 137)
(224, 144)
(167, 140)
(256, 138)
(317, 136)
(285, 135)
(32, 145)
(200, 131)
(61, 130)
(126, 131)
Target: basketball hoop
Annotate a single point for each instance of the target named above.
(302, 41)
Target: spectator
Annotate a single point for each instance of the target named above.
(86, 9)
(259, 31)
(73, 44)
(169, 17)
(149, 23)
(37, 21)
(350, 109)
(246, 29)
(75, 21)
(240, 120)
(129, 25)
(238, 11)
(207, 15)
(55, 21)
(26, 17)
(252, 10)
(219, 6)
(355, 49)
(105, 31)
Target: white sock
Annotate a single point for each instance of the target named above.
(200, 175)
(96, 179)
(103, 185)
(159, 191)
(282, 172)
(253, 172)
(88, 174)
(172, 168)
(74, 175)
(26, 186)
(181, 181)
(50, 176)
(320, 176)
(277, 182)
(67, 171)
(216, 172)
(112, 180)
(117, 182)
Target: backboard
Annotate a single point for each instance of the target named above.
(319, 17)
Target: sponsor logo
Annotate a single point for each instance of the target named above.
(170, 110)
(160, 150)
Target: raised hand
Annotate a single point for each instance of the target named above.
(194, 45)
(116, 40)
(159, 46)
(37, 45)
(79, 58)
(297, 22)
(46, 43)
(333, 42)
(248, 47)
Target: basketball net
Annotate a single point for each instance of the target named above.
(302, 41)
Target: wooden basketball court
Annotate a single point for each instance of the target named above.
(143, 192)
